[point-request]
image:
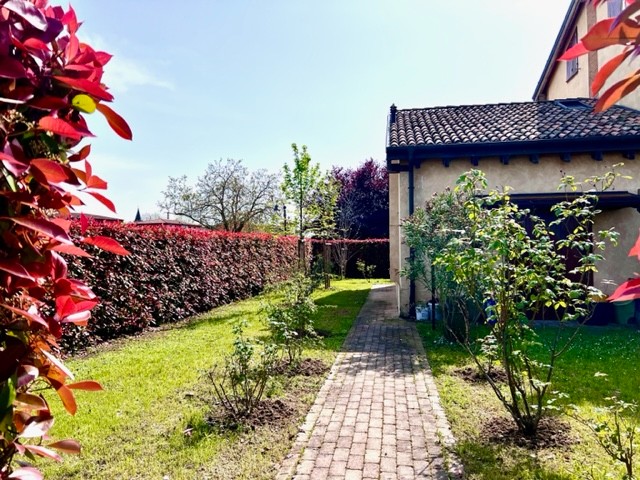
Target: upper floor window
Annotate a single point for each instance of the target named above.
(572, 65)
(614, 7)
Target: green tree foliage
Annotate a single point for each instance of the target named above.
(515, 262)
(290, 322)
(427, 232)
(300, 182)
(313, 193)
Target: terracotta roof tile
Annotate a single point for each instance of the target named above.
(510, 122)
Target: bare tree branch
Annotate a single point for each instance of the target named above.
(227, 196)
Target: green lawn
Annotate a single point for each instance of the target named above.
(611, 350)
(155, 390)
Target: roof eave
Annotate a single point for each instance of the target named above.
(419, 153)
(565, 31)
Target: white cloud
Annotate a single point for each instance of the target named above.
(122, 72)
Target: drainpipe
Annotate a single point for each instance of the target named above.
(412, 282)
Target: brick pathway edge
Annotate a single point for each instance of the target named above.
(378, 414)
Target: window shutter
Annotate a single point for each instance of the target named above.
(572, 65)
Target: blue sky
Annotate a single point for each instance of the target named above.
(200, 80)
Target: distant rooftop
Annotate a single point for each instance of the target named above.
(160, 221)
(93, 216)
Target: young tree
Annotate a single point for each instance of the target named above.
(363, 204)
(515, 263)
(228, 195)
(300, 183)
(313, 194)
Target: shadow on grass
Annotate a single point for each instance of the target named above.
(610, 350)
(489, 461)
(441, 352)
(197, 322)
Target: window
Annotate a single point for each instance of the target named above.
(614, 7)
(572, 104)
(572, 65)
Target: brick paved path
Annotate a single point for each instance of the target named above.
(378, 414)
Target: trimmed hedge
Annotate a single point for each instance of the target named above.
(373, 251)
(172, 273)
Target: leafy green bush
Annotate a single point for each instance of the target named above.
(517, 262)
(244, 378)
(291, 321)
(427, 232)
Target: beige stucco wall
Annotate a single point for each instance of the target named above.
(606, 54)
(398, 250)
(578, 85)
(526, 177)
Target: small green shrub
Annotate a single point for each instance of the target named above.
(291, 321)
(365, 270)
(244, 378)
(616, 431)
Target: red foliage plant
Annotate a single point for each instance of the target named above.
(48, 79)
(172, 273)
(623, 30)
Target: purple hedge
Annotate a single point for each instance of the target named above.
(172, 273)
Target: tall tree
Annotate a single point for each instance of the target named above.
(363, 203)
(228, 195)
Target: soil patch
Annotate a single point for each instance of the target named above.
(266, 412)
(552, 433)
(308, 367)
(473, 375)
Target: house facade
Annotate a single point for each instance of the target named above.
(528, 146)
(574, 78)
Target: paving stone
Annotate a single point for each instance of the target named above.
(371, 470)
(319, 474)
(388, 464)
(338, 468)
(358, 449)
(344, 442)
(353, 474)
(355, 462)
(378, 415)
(341, 454)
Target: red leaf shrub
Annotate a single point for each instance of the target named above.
(48, 80)
(172, 273)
